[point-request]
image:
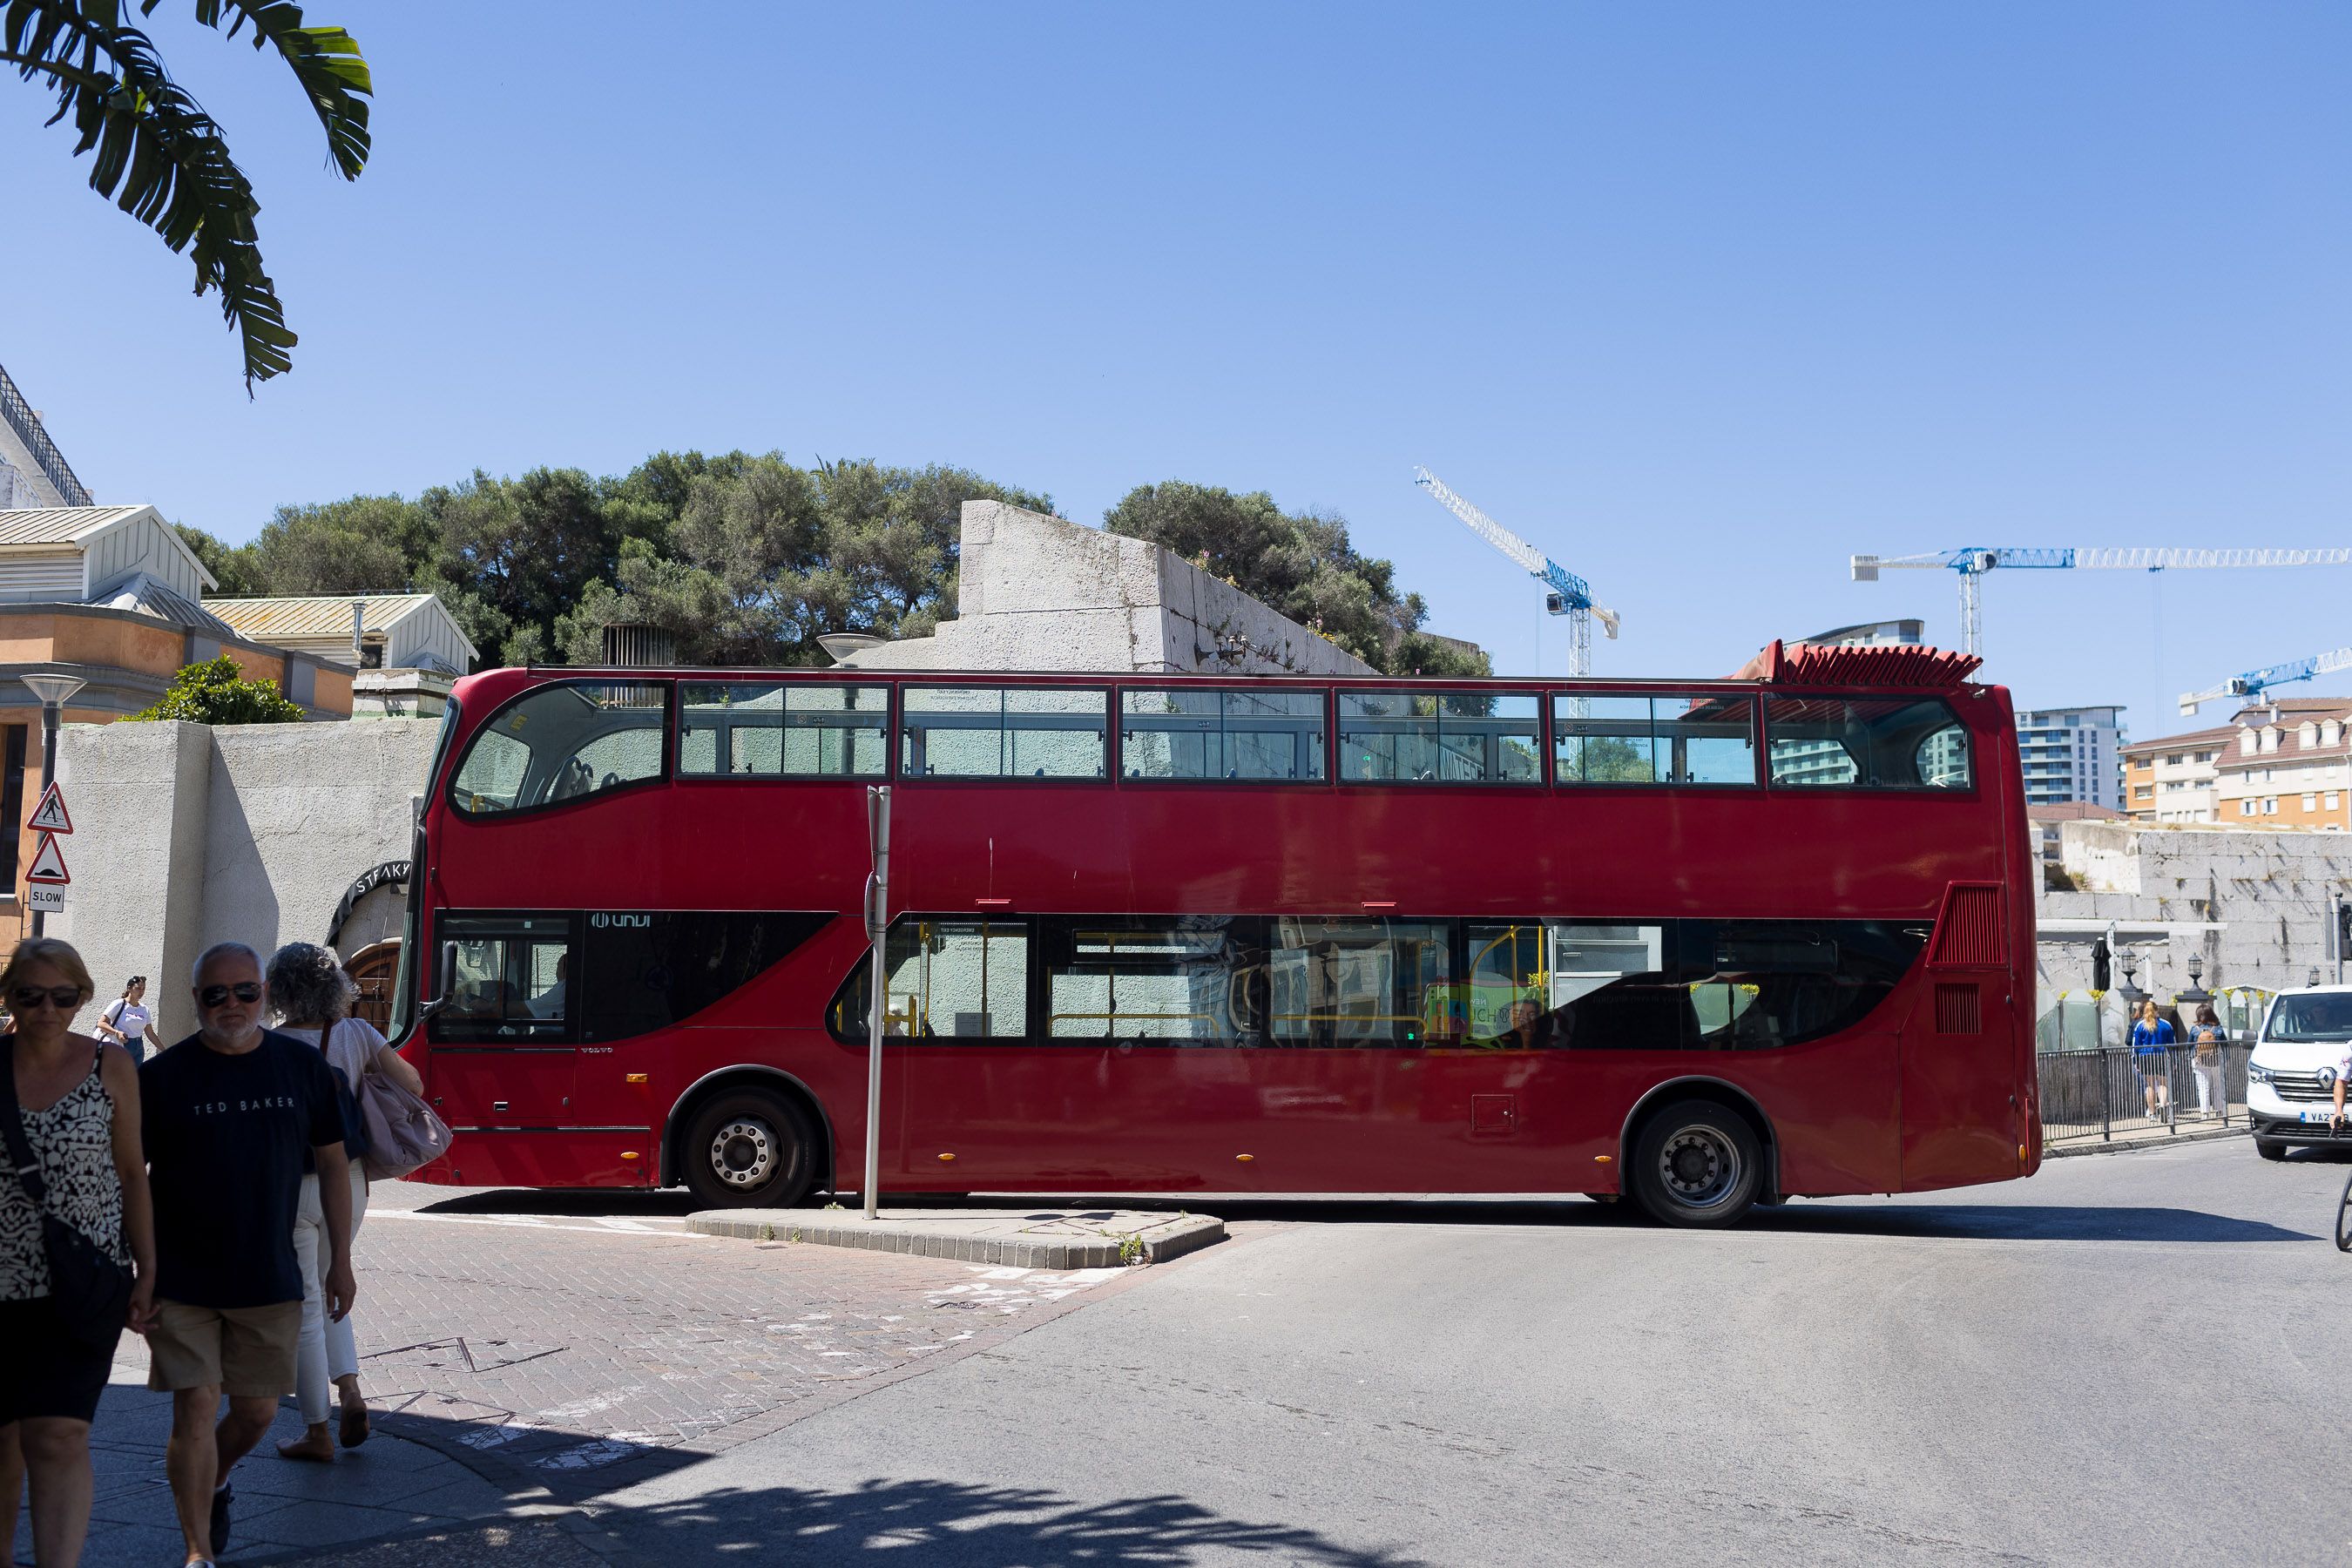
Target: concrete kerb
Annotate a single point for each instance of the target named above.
(1021, 1238)
(2154, 1141)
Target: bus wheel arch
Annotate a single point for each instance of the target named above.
(1689, 1099)
(778, 1088)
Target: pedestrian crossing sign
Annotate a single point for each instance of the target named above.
(50, 816)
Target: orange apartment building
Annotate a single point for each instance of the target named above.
(110, 596)
(2286, 762)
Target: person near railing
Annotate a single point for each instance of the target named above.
(2151, 1042)
(2206, 1034)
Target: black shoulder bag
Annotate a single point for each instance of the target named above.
(90, 1289)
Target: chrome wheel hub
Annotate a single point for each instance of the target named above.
(743, 1153)
(1699, 1166)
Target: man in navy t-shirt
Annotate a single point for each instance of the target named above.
(228, 1114)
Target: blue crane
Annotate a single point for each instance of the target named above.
(1569, 595)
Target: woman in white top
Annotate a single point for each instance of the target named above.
(127, 1021)
(312, 998)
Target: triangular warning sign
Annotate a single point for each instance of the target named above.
(48, 865)
(49, 817)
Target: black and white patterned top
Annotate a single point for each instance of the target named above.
(74, 1141)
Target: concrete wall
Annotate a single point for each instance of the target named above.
(1039, 593)
(2251, 906)
(187, 835)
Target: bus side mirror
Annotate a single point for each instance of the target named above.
(445, 981)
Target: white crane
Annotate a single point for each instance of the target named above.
(1973, 563)
(1570, 594)
(2255, 680)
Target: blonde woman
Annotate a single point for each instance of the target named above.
(2151, 1041)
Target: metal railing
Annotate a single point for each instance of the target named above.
(27, 425)
(2117, 1092)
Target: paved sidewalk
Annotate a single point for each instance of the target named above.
(1023, 1238)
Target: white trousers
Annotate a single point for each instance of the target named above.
(327, 1351)
(2208, 1084)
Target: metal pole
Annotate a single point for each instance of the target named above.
(877, 923)
(2336, 929)
(49, 777)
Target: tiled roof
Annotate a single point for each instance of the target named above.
(61, 524)
(316, 616)
(2221, 734)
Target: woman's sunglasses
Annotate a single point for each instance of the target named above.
(64, 998)
(243, 991)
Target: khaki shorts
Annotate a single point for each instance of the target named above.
(247, 1351)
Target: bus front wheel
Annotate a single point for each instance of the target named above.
(749, 1149)
(1696, 1163)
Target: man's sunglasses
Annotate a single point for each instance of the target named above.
(65, 998)
(243, 991)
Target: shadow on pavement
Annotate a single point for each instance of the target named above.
(2023, 1222)
(951, 1522)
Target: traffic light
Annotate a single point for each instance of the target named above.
(2102, 975)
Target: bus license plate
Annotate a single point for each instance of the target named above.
(2324, 1117)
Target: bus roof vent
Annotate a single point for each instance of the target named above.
(630, 645)
(1822, 664)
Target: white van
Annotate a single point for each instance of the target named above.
(2303, 1047)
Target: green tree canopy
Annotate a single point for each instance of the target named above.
(1302, 563)
(765, 556)
(215, 692)
(163, 160)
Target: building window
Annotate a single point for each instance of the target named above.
(2270, 805)
(12, 797)
(2335, 799)
(2246, 808)
(2310, 803)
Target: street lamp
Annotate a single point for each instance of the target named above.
(2129, 991)
(52, 690)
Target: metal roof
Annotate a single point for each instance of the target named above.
(72, 525)
(324, 616)
(146, 595)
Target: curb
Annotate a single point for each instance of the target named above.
(1160, 1238)
(2203, 1135)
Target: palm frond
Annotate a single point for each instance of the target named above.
(162, 159)
(326, 60)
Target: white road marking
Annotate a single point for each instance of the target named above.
(528, 1222)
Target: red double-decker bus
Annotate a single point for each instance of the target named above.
(1708, 943)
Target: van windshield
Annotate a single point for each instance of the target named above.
(2324, 1016)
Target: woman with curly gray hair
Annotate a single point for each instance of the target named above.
(313, 998)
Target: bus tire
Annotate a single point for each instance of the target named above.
(1696, 1163)
(2270, 1150)
(749, 1148)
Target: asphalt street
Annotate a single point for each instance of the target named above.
(2138, 1358)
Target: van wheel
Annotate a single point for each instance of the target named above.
(749, 1148)
(2270, 1150)
(1696, 1163)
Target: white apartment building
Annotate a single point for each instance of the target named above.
(2072, 754)
(2173, 779)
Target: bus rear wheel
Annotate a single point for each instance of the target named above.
(749, 1149)
(1696, 1163)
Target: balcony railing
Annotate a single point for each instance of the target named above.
(27, 425)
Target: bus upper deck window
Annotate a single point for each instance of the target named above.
(1866, 742)
(563, 742)
(801, 730)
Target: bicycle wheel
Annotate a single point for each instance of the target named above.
(2344, 1219)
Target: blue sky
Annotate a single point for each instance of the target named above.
(1701, 299)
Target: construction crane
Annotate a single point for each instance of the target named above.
(1570, 594)
(2255, 681)
(1972, 563)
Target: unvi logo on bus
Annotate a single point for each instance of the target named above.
(601, 920)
